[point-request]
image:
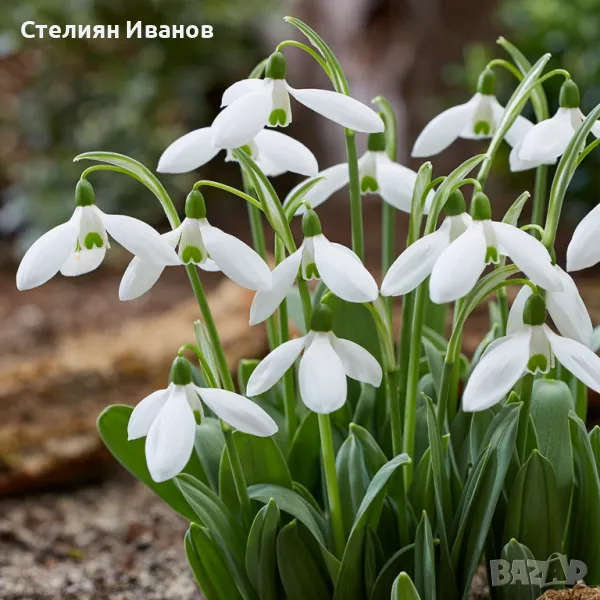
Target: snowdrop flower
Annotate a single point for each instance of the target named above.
(378, 175)
(414, 265)
(459, 266)
(566, 308)
(318, 258)
(476, 119)
(584, 249)
(530, 346)
(203, 245)
(326, 362)
(549, 139)
(166, 417)
(274, 152)
(252, 104)
(516, 163)
(79, 245)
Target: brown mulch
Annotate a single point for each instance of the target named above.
(579, 592)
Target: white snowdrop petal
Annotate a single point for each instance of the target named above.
(459, 266)
(236, 259)
(515, 322)
(83, 262)
(286, 152)
(343, 273)
(336, 178)
(210, 266)
(396, 185)
(189, 152)
(323, 385)
(145, 412)
(239, 123)
(414, 265)
(568, 310)
(584, 248)
(441, 131)
(139, 277)
(358, 363)
(340, 109)
(170, 441)
(528, 253)
(272, 368)
(548, 139)
(266, 302)
(497, 372)
(140, 239)
(239, 412)
(46, 256)
(241, 88)
(577, 358)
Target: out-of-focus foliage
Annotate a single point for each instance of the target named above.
(61, 97)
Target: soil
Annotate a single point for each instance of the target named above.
(579, 592)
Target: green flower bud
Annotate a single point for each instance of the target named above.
(181, 371)
(195, 208)
(276, 66)
(455, 205)
(322, 318)
(311, 224)
(486, 84)
(534, 312)
(481, 209)
(84, 193)
(376, 142)
(569, 95)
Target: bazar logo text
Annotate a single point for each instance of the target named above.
(31, 29)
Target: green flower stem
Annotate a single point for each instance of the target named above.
(525, 397)
(581, 400)
(591, 146)
(391, 390)
(539, 195)
(295, 44)
(333, 491)
(227, 188)
(499, 62)
(305, 300)
(206, 372)
(445, 390)
(238, 474)
(89, 170)
(408, 302)
(356, 216)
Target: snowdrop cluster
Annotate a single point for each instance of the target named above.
(459, 257)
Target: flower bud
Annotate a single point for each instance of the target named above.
(486, 84)
(84, 193)
(455, 205)
(195, 208)
(480, 207)
(569, 95)
(276, 66)
(376, 142)
(534, 312)
(322, 318)
(181, 371)
(311, 224)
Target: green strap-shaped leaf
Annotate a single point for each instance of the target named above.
(595, 443)
(425, 575)
(517, 590)
(209, 566)
(304, 459)
(422, 492)
(350, 583)
(402, 560)
(209, 444)
(404, 588)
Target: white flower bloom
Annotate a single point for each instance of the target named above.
(79, 245)
(476, 119)
(584, 249)
(326, 363)
(531, 347)
(203, 245)
(415, 264)
(378, 175)
(549, 139)
(166, 417)
(274, 152)
(460, 265)
(252, 104)
(318, 258)
(516, 163)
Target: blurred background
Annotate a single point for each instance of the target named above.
(70, 348)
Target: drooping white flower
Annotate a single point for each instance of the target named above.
(476, 119)
(378, 175)
(414, 265)
(584, 249)
(531, 346)
(565, 306)
(460, 265)
(79, 245)
(203, 245)
(549, 139)
(252, 104)
(274, 152)
(522, 127)
(318, 258)
(166, 417)
(326, 363)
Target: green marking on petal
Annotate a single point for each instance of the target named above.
(311, 271)
(368, 184)
(537, 363)
(482, 128)
(278, 117)
(93, 239)
(192, 254)
(198, 417)
(491, 255)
